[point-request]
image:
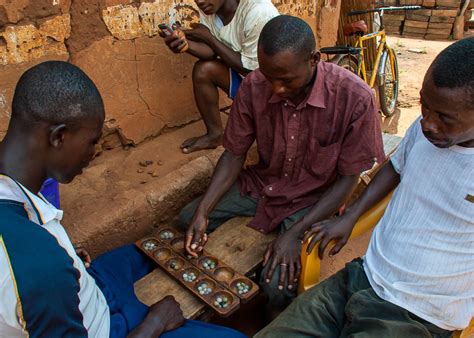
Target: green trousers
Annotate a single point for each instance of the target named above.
(345, 305)
(232, 204)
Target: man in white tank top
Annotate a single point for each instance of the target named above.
(417, 278)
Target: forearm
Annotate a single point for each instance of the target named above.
(229, 56)
(200, 50)
(331, 200)
(227, 170)
(150, 327)
(384, 182)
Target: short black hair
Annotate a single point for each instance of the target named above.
(454, 66)
(287, 33)
(56, 92)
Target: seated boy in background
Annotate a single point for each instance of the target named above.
(225, 43)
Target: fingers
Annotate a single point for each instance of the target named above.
(281, 279)
(312, 231)
(271, 270)
(291, 275)
(268, 254)
(336, 248)
(188, 240)
(298, 270)
(322, 246)
(314, 241)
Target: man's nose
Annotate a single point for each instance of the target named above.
(429, 125)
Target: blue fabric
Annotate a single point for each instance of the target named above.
(47, 282)
(115, 273)
(50, 191)
(235, 81)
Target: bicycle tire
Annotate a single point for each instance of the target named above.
(388, 82)
(347, 61)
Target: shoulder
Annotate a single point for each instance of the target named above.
(258, 10)
(255, 82)
(346, 81)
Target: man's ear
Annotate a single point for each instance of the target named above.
(56, 135)
(315, 58)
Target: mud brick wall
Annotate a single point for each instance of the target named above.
(146, 88)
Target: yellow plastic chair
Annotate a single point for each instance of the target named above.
(311, 264)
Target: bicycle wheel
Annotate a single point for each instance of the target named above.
(346, 61)
(388, 81)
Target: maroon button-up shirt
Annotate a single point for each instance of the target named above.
(302, 149)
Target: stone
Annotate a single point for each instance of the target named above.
(122, 21)
(58, 28)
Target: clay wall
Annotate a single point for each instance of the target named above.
(146, 88)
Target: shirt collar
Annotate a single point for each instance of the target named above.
(9, 189)
(316, 95)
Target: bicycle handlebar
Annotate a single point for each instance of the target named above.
(383, 9)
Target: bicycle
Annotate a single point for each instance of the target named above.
(385, 67)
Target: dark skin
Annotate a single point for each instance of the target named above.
(32, 152)
(448, 119)
(211, 72)
(292, 76)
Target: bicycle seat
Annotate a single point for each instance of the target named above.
(358, 27)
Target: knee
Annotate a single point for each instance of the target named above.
(205, 70)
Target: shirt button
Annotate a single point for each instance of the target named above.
(286, 174)
(289, 160)
(292, 137)
(261, 230)
(270, 188)
(294, 115)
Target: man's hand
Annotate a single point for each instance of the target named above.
(168, 312)
(285, 252)
(177, 41)
(200, 34)
(196, 236)
(84, 256)
(337, 229)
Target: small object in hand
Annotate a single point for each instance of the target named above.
(166, 235)
(149, 245)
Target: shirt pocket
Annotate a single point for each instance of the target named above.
(322, 161)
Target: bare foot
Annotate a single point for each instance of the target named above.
(201, 142)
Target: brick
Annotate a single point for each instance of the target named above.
(416, 17)
(414, 30)
(413, 35)
(416, 24)
(448, 3)
(393, 17)
(429, 3)
(445, 12)
(439, 31)
(444, 19)
(437, 25)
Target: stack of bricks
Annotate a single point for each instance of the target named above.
(433, 22)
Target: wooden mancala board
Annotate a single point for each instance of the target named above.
(210, 279)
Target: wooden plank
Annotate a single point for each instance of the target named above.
(429, 3)
(233, 242)
(444, 12)
(439, 25)
(415, 17)
(436, 37)
(415, 24)
(393, 17)
(443, 19)
(448, 3)
(414, 30)
(439, 31)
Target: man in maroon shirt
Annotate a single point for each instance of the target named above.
(316, 129)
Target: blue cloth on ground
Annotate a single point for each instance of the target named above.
(115, 272)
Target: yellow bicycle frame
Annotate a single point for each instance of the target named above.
(361, 71)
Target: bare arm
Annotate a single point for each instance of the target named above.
(226, 173)
(339, 229)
